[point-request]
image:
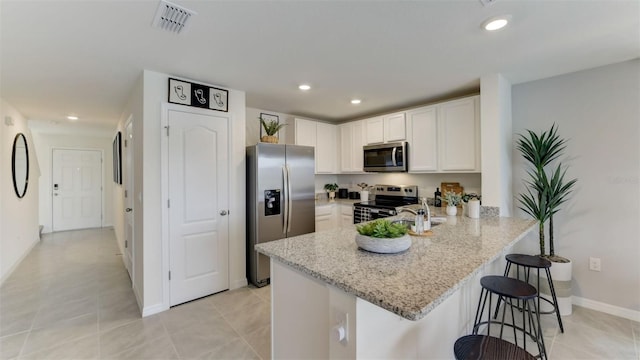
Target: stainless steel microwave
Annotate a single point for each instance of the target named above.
(389, 157)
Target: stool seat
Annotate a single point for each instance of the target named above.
(475, 347)
(509, 287)
(529, 261)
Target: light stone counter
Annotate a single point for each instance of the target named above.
(409, 284)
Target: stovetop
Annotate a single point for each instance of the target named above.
(392, 196)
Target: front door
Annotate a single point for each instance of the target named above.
(198, 204)
(77, 189)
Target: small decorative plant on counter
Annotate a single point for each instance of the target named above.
(383, 236)
(471, 196)
(364, 192)
(363, 186)
(331, 189)
(271, 128)
(452, 199)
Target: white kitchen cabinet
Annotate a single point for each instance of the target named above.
(423, 143)
(375, 130)
(326, 217)
(386, 128)
(346, 215)
(324, 138)
(394, 127)
(352, 139)
(459, 135)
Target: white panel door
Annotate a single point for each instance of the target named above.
(77, 189)
(127, 182)
(198, 205)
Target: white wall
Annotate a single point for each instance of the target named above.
(19, 226)
(74, 139)
(598, 111)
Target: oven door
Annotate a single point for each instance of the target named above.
(363, 214)
(390, 157)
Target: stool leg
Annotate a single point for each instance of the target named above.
(506, 273)
(539, 337)
(555, 299)
(478, 318)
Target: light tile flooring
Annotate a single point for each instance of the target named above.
(71, 298)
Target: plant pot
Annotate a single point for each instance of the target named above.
(269, 139)
(364, 196)
(561, 273)
(452, 210)
(383, 245)
(332, 195)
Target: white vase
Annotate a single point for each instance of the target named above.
(561, 274)
(473, 209)
(452, 210)
(332, 195)
(364, 196)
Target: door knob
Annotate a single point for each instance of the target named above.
(223, 212)
(128, 209)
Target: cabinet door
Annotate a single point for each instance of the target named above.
(346, 147)
(394, 127)
(325, 217)
(375, 130)
(346, 215)
(305, 132)
(423, 144)
(358, 133)
(458, 128)
(326, 144)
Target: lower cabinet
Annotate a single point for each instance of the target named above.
(326, 217)
(346, 215)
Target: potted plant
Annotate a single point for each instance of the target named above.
(452, 199)
(271, 127)
(364, 192)
(383, 236)
(545, 193)
(331, 189)
(471, 205)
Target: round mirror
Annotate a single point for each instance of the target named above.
(20, 165)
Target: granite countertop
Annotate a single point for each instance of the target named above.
(409, 284)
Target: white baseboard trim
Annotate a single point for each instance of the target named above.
(607, 308)
(17, 263)
(153, 309)
(238, 284)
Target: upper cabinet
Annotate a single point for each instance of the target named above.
(445, 137)
(387, 128)
(459, 132)
(324, 138)
(352, 139)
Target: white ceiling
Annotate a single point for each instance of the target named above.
(83, 57)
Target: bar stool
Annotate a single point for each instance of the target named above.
(528, 262)
(477, 346)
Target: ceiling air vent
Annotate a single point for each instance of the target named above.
(172, 17)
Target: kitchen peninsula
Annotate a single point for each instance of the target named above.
(333, 300)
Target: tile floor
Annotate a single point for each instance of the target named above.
(71, 298)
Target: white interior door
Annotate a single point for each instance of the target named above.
(127, 182)
(198, 205)
(77, 189)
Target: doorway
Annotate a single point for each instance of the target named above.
(77, 189)
(197, 168)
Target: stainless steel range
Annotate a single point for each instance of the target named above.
(388, 198)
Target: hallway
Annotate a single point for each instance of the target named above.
(71, 298)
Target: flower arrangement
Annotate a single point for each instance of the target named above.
(452, 198)
(363, 186)
(466, 197)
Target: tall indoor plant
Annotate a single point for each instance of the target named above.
(544, 194)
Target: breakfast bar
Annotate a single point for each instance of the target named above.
(333, 300)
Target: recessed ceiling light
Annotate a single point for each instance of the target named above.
(304, 87)
(72, 117)
(356, 101)
(496, 23)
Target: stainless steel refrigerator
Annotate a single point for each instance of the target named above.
(280, 199)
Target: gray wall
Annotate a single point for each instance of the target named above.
(598, 110)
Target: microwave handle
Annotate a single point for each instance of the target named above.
(393, 156)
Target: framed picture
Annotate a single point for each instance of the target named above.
(117, 158)
(198, 95)
(267, 118)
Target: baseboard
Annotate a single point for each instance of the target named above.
(238, 284)
(153, 309)
(17, 263)
(606, 308)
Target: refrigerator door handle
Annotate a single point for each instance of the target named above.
(289, 200)
(285, 181)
